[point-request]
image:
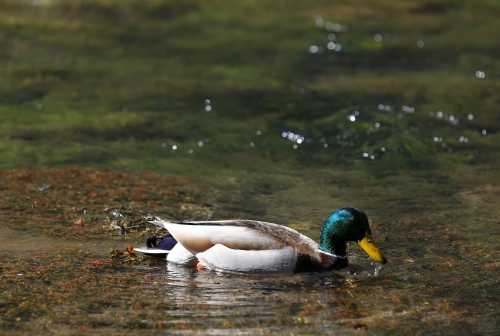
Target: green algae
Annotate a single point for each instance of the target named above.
(84, 97)
(115, 87)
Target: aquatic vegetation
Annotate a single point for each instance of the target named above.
(269, 110)
(86, 102)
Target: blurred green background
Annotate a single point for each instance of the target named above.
(273, 110)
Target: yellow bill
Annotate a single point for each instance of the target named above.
(368, 245)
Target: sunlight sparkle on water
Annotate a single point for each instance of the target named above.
(313, 49)
(480, 74)
(463, 139)
(407, 109)
(378, 37)
(319, 21)
(453, 120)
(294, 137)
(208, 105)
(335, 27)
(331, 45)
(383, 107)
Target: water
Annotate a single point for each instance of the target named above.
(271, 111)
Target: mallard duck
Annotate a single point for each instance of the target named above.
(256, 246)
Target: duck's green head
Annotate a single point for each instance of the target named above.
(348, 224)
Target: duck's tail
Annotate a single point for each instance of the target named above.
(166, 242)
(157, 221)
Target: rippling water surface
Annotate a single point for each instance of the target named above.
(259, 110)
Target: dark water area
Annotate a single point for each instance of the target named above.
(270, 110)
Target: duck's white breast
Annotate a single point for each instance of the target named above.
(222, 258)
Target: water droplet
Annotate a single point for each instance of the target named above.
(258, 132)
(420, 44)
(437, 139)
(313, 49)
(174, 147)
(383, 149)
(453, 119)
(484, 132)
(440, 114)
(116, 214)
(480, 74)
(191, 151)
(463, 139)
(470, 116)
(44, 187)
(200, 143)
(407, 109)
(335, 27)
(351, 118)
(294, 137)
(376, 269)
(208, 105)
(295, 146)
(338, 47)
(325, 145)
(331, 45)
(378, 37)
(365, 155)
(383, 107)
(252, 144)
(319, 21)
(372, 157)
(376, 125)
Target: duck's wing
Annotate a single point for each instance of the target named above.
(242, 234)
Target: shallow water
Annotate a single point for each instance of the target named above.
(271, 111)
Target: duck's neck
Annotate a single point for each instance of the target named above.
(333, 245)
(337, 247)
(329, 242)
